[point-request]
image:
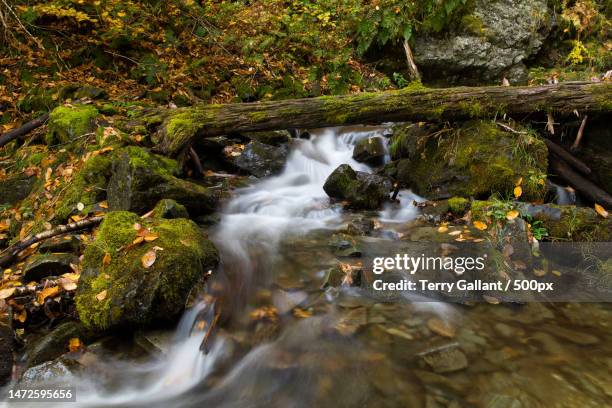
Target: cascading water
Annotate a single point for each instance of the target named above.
(252, 227)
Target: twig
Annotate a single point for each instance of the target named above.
(23, 130)
(509, 129)
(204, 345)
(412, 68)
(580, 133)
(196, 161)
(9, 254)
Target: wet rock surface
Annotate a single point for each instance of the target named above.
(371, 150)
(260, 160)
(50, 264)
(359, 189)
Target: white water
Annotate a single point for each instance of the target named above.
(251, 228)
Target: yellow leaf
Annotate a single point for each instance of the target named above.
(601, 211)
(148, 259)
(512, 214)
(151, 236)
(443, 228)
(480, 225)
(7, 293)
(519, 181)
(68, 284)
(137, 241)
(47, 292)
(74, 344)
(107, 259)
(101, 296)
(518, 191)
(22, 316)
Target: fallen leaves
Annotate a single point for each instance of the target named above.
(601, 211)
(101, 296)
(480, 225)
(75, 344)
(512, 214)
(107, 259)
(518, 191)
(148, 259)
(47, 292)
(7, 293)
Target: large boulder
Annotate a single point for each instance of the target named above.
(492, 41)
(476, 160)
(259, 159)
(361, 190)
(371, 150)
(67, 123)
(124, 284)
(140, 179)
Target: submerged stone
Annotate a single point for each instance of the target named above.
(135, 285)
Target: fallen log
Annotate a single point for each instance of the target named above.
(568, 157)
(579, 183)
(9, 254)
(177, 127)
(23, 130)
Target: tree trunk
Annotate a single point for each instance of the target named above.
(414, 103)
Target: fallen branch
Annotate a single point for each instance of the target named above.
(8, 255)
(580, 133)
(579, 183)
(180, 126)
(23, 130)
(196, 161)
(412, 68)
(568, 157)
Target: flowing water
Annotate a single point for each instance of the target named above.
(283, 341)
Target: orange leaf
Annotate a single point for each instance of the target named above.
(148, 259)
(601, 211)
(101, 296)
(518, 191)
(22, 316)
(47, 292)
(512, 214)
(74, 344)
(151, 236)
(107, 259)
(480, 225)
(137, 240)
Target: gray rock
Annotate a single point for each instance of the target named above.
(90, 92)
(344, 245)
(359, 189)
(43, 265)
(170, 209)
(51, 371)
(64, 243)
(272, 137)
(261, 160)
(491, 42)
(55, 343)
(371, 151)
(15, 189)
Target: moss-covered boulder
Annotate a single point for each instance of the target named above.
(477, 160)
(371, 150)
(170, 209)
(69, 122)
(360, 190)
(140, 179)
(122, 287)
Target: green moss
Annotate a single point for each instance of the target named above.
(141, 158)
(88, 187)
(135, 295)
(458, 205)
(168, 208)
(69, 122)
(258, 116)
(575, 224)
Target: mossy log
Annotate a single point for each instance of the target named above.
(414, 103)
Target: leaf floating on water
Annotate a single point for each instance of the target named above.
(7, 293)
(101, 296)
(518, 191)
(453, 233)
(443, 229)
(480, 225)
(107, 259)
(74, 344)
(512, 214)
(148, 259)
(601, 211)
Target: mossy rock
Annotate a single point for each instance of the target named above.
(90, 92)
(69, 122)
(87, 187)
(169, 209)
(371, 150)
(477, 160)
(458, 205)
(141, 178)
(15, 189)
(360, 190)
(123, 293)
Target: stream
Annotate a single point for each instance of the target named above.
(282, 340)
